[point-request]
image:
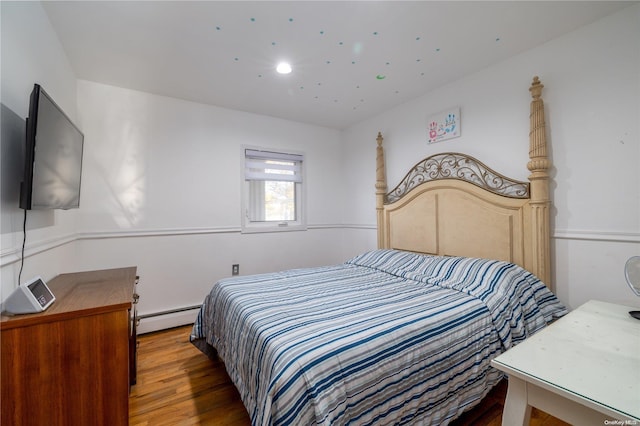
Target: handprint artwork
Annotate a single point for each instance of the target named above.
(445, 125)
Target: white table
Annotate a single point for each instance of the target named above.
(583, 369)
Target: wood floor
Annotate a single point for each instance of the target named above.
(178, 385)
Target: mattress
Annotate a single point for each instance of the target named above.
(388, 337)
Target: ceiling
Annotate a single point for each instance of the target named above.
(351, 60)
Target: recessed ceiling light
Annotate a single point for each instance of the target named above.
(283, 68)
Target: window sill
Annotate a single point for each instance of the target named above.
(258, 228)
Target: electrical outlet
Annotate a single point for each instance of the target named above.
(235, 269)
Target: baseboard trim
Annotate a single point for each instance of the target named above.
(168, 319)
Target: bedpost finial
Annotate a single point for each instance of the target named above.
(536, 88)
(381, 180)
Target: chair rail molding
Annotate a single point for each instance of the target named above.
(11, 255)
(607, 236)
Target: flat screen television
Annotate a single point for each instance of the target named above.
(53, 156)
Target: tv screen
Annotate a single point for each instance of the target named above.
(53, 157)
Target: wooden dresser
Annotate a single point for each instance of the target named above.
(72, 364)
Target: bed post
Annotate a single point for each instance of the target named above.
(539, 166)
(381, 190)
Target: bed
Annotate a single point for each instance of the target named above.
(403, 334)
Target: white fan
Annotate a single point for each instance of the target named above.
(632, 274)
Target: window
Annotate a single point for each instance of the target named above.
(272, 191)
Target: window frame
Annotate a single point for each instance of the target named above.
(249, 226)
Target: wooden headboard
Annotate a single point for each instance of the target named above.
(451, 204)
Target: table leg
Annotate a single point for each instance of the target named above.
(517, 410)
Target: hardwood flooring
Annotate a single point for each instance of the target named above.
(178, 385)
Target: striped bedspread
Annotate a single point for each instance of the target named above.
(388, 337)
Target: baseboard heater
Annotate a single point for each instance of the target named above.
(167, 319)
(171, 311)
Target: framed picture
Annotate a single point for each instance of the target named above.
(444, 125)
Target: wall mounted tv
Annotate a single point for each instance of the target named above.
(53, 156)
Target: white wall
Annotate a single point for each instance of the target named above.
(592, 99)
(161, 190)
(31, 53)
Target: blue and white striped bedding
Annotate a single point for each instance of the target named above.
(389, 337)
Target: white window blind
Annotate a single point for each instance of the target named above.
(273, 191)
(272, 166)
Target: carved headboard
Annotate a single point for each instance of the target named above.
(451, 204)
